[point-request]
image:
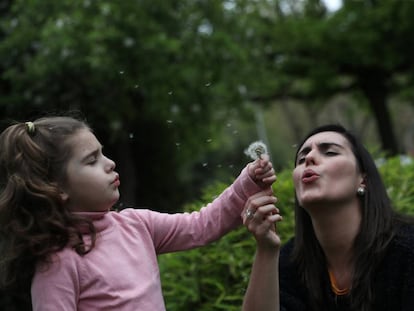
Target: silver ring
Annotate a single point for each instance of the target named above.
(249, 213)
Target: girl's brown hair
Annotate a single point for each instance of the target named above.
(33, 221)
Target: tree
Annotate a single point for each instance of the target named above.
(365, 49)
(156, 80)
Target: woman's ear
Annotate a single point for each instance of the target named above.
(363, 181)
(64, 196)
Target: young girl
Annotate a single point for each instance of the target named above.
(57, 230)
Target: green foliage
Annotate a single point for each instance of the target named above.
(212, 277)
(155, 79)
(215, 277)
(173, 74)
(398, 176)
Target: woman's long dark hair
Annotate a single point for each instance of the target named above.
(378, 227)
(33, 221)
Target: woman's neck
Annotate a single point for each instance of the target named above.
(336, 229)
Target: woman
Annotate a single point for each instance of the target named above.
(351, 250)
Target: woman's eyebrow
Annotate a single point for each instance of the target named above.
(326, 145)
(303, 151)
(322, 145)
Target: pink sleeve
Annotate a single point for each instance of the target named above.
(181, 231)
(56, 288)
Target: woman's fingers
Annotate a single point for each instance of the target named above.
(256, 201)
(260, 217)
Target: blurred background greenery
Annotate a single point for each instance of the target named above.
(215, 277)
(176, 90)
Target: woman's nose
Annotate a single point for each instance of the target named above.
(310, 158)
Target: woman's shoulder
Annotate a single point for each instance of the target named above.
(401, 247)
(397, 264)
(404, 238)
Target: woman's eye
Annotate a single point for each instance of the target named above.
(331, 153)
(301, 160)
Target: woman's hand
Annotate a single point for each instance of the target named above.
(260, 216)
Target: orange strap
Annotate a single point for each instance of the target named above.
(335, 289)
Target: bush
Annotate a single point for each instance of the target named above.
(215, 277)
(398, 176)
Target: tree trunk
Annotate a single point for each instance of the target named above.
(376, 92)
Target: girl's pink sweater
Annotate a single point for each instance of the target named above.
(121, 273)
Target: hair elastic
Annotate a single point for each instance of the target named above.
(30, 127)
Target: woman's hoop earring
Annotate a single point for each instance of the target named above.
(361, 191)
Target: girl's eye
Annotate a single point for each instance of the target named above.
(92, 161)
(330, 153)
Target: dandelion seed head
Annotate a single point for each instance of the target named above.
(256, 149)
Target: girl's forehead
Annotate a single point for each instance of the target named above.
(84, 139)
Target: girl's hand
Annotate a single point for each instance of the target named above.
(260, 216)
(261, 170)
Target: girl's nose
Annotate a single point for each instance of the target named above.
(110, 164)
